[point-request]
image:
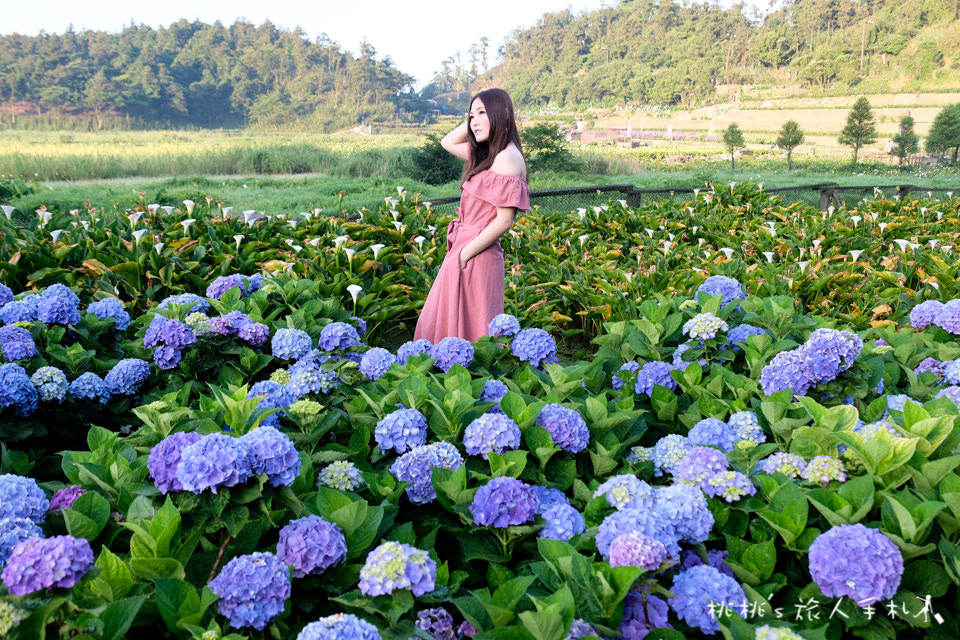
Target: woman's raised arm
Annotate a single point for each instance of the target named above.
(456, 142)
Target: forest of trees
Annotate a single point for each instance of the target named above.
(197, 74)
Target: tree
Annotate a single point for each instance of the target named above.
(545, 149)
(905, 141)
(861, 127)
(733, 140)
(789, 139)
(945, 132)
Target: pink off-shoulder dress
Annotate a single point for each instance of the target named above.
(462, 302)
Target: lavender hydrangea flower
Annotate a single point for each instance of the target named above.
(195, 303)
(787, 370)
(111, 308)
(437, 622)
(686, 509)
(394, 565)
(535, 346)
(376, 362)
(340, 475)
(566, 426)
(948, 317)
(339, 335)
(222, 284)
(858, 562)
(699, 465)
(626, 491)
(167, 358)
(712, 432)
(252, 589)
(634, 549)
(951, 393)
(616, 383)
(704, 326)
(503, 325)
(580, 628)
(653, 373)
(451, 351)
(416, 467)
(229, 324)
(21, 497)
(729, 288)
(44, 563)
(491, 432)
(696, 588)
(729, 485)
(789, 464)
(16, 343)
(165, 457)
(645, 521)
(51, 384)
(16, 390)
(741, 332)
(668, 452)
(411, 349)
(127, 376)
(290, 344)
(13, 531)
(58, 305)
(271, 452)
(925, 313)
(824, 469)
(311, 545)
(716, 558)
(254, 333)
(641, 614)
(340, 626)
(493, 391)
(64, 498)
(830, 352)
(89, 386)
(504, 501)
(562, 522)
(216, 460)
(401, 430)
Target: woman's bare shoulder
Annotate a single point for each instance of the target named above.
(509, 162)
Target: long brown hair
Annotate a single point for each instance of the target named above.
(503, 131)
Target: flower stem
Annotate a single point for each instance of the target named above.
(216, 565)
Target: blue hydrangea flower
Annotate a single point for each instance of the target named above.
(16, 343)
(272, 452)
(376, 362)
(858, 562)
(252, 589)
(897, 402)
(168, 332)
(16, 390)
(741, 332)
(930, 364)
(58, 305)
(273, 395)
(361, 324)
(23, 310)
(714, 433)
(639, 454)
(229, 325)
(824, 469)
(948, 317)
(13, 531)
(716, 558)
(493, 391)
(548, 497)
(830, 352)
(401, 430)
(195, 303)
(696, 588)
(634, 549)
(111, 308)
(307, 376)
(677, 360)
(641, 614)
(339, 335)
(165, 457)
(646, 521)
(44, 563)
(789, 464)
(654, 373)
(567, 427)
(686, 509)
(340, 626)
(632, 366)
(504, 501)
(451, 351)
(6, 294)
(745, 427)
(729, 485)
(668, 452)
(437, 622)
(167, 358)
(199, 323)
(394, 565)
(127, 376)
(89, 386)
(491, 432)
(626, 491)
(952, 393)
(562, 523)
(222, 284)
(729, 288)
(51, 384)
(704, 326)
(311, 545)
(290, 344)
(340, 475)
(417, 465)
(503, 325)
(699, 465)
(413, 348)
(535, 346)
(925, 313)
(580, 628)
(216, 460)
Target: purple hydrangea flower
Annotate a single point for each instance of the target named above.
(437, 622)
(58, 305)
(89, 386)
(858, 562)
(626, 491)
(699, 465)
(654, 373)
(451, 351)
(16, 390)
(13, 531)
(271, 452)
(830, 352)
(339, 335)
(562, 522)
(222, 284)
(493, 391)
(43, 563)
(413, 348)
(686, 509)
(504, 501)
(311, 545)
(714, 433)
(580, 628)
(252, 589)
(216, 460)
(361, 324)
(925, 313)
(715, 558)
(401, 430)
(741, 332)
(127, 376)
(51, 384)
(948, 317)
(417, 465)
(376, 362)
(64, 498)
(16, 343)
(789, 464)
(729, 485)
(696, 588)
(165, 457)
(535, 346)
(290, 344)
(634, 549)
(340, 475)
(113, 309)
(253, 333)
(21, 497)
(787, 370)
(167, 358)
(567, 427)
(229, 325)
(729, 288)
(503, 325)
(394, 565)
(273, 395)
(951, 393)
(340, 626)
(491, 432)
(641, 614)
(646, 521)
(189, 300)
(616, 382)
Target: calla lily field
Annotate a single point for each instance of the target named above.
(734, 417)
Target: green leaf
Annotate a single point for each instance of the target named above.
(115, 573)
(153, 568)
(119, 615)
(513, 406)
(359, 523)
(175, 596)
(544, 625)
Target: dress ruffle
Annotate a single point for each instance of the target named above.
(499, 190)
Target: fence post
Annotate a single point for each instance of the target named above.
(828, 196)
(633, 197)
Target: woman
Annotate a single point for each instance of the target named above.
(468, 291)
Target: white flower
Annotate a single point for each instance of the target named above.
(431, 228)
(696, 192)
(700, 242)
(902, 243)
(186, 223)
(623, 203)
(946, 248)
(882, 225)
(923, 210)
(628, 276)
(695, 227)
(168, 208)
(597, 210)
(580, 212)
(339, 240)
(292, 223)
(855, 254)
(830, 210)
(44, 217)
(376, 249)
(666, 246)
(427, 204)
(152, 208)
(317, 211)
(934, 285)
(226, 211)
(583, 238)
(280, 216)
(391, 201)
(354, 290)
(189, 204)
(315, 242)
(419, 240)
(349, 253)
(238, 238)
(856, 220)
(296, 247)
(158, 247)
(768, 255)
(8, 210)
(649, 232)
(134, 217)
(306, 214)
(933, 243)
(816, 243)
(732, 185)
(670, 236)
(395, 214)
(939, 214)
(86, 224)
(399, 190)
(138, 234)
(803, 264)
(727, 251)
(397, 224)
(56, 233)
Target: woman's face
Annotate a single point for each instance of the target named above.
(479, 122)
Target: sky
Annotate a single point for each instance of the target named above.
(416, 34)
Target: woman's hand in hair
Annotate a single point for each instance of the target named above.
(456, 142)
